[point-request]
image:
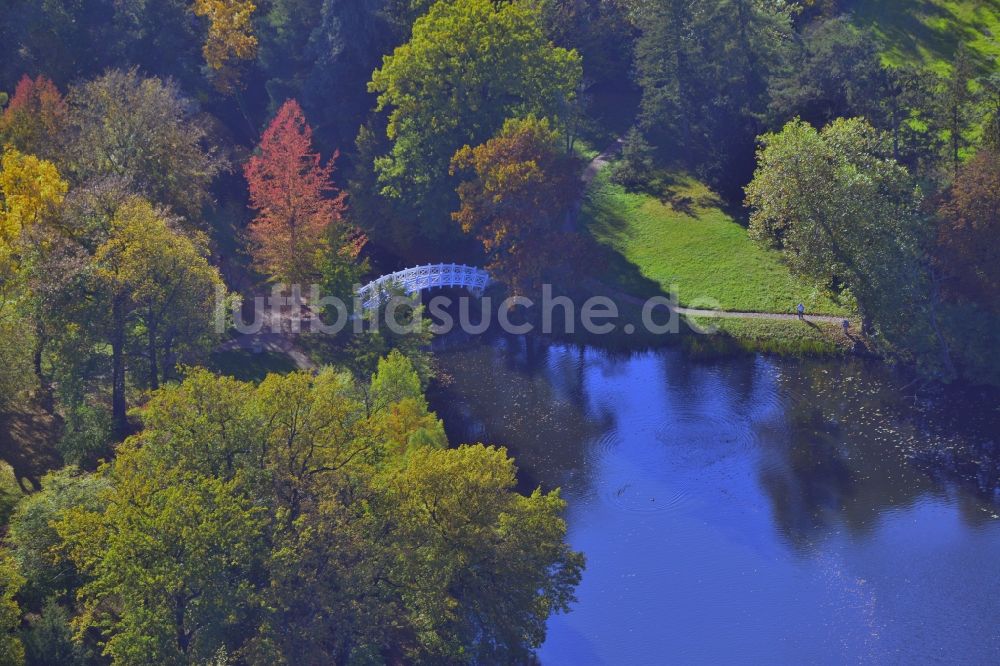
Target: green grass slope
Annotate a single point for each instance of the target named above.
(928, 31)
(689, 245)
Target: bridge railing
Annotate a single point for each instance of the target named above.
(419, 278)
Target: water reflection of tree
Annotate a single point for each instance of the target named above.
(851, 444)
(528, 396)
(962, 448)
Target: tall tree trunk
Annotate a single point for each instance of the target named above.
(182, 636)
(896, 126)
(37, 358)
(119, 407)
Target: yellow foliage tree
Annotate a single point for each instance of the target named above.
(230, 37)
(29, 189)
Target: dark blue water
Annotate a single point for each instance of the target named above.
(750, 510)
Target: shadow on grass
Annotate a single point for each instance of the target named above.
(601, 220)
(903, 24)
(28, 443)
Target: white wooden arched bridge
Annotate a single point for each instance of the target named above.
(419, 278)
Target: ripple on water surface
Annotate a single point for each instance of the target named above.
(635, 473)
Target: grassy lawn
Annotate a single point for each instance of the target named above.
(929, 31)
(690, 245)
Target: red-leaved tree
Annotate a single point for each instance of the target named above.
(35, 118)
(295, 199)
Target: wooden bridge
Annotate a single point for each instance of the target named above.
(420, 278)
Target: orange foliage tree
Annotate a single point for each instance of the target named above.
(517, 203)
(295, 199)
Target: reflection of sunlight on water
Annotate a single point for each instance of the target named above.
(850, 596)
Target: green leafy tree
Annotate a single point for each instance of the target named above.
(323, 54)
(34, 542)
(313, 519)
(600, 31)
(142, 130)
(155, 276)
(456, 507)
(48, 638)
(703, 70)
(80, 40)
(835, 73)
(170, 284)
(991, 94)
(846, 213)
(469, 65)
(11, 647)
(956, 103)
(176, 551)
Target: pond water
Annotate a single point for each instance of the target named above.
(750, 510)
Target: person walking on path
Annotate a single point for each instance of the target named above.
(801, 309)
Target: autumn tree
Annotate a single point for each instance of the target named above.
(229, 38)
(469, 65)
(295, 199)
(31, 191)
(35, 118)
(516, 202)
(969, 228)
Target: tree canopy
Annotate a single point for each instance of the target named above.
(282, 522)
(518, 201)
(295, 199)
(845, 211)
(469, 65)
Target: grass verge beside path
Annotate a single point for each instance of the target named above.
(775, 336)
(689, 243)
